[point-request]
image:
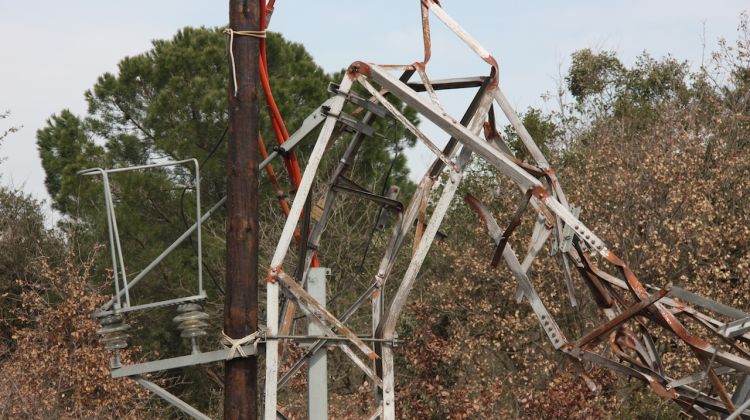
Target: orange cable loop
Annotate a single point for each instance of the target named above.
(279, 128)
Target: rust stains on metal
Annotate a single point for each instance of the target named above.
(426, 38)
(481, 210)
(357, 68)
(631, 308)
(605, 328)
(273, 274)
(515, 221)
(540, 192)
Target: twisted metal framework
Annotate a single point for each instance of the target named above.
(635, 311)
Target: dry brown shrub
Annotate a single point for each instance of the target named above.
(59, 369)
(669, 193)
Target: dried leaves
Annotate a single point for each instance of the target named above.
(58, 368)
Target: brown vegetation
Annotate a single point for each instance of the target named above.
(59, 369)
(657, 157)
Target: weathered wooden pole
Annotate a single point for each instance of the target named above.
(241, 300)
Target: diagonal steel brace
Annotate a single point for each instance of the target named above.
(306, 301)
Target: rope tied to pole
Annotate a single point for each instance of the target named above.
(235, 345)
(231, 32)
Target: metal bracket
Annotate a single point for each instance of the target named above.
(345, 184)
(568, 232)
(352, 123)
(172, 399)
(178, 362)
(358, 101)
(122, 286)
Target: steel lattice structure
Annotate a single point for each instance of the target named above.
(633, 309)
(635, 312)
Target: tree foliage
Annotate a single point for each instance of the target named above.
(24, 240)
(656, 154)
(657, 157)
(170, 103)
(591, 73)
(58, 369)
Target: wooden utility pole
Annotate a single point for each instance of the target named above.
(241, 300)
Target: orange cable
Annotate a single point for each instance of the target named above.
(291, 163)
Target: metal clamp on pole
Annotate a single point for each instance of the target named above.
(283, 151)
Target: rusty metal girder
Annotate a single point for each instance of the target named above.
(631, 310)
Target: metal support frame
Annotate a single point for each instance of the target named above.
(741, 410)
(317, 369)
(171, 398)
(742, 392)
(116, 247)
(631, 308)
(123, 285)
(309, 124)
(272, 287)
(555, 215)
(200, 358)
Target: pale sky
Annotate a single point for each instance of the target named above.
(52, 51)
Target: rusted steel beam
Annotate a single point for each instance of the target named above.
(341, 169)
(406, 123)
(653, 381)
(697, 344)
(450, 147)
(544, 192)
(539, 236)
(388, 324)
(329, 200)
(346, 185)
(317, 345)
(331, 335)
(515, 221)
(448, 124)
(601, 294)
(557, 338)
(628, 338)
(625, 315)
(448, 84)
(320, 313)
(698, 376)
(360, 364)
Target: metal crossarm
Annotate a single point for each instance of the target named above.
(575, 243)
(633, 313)
(321, 315)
